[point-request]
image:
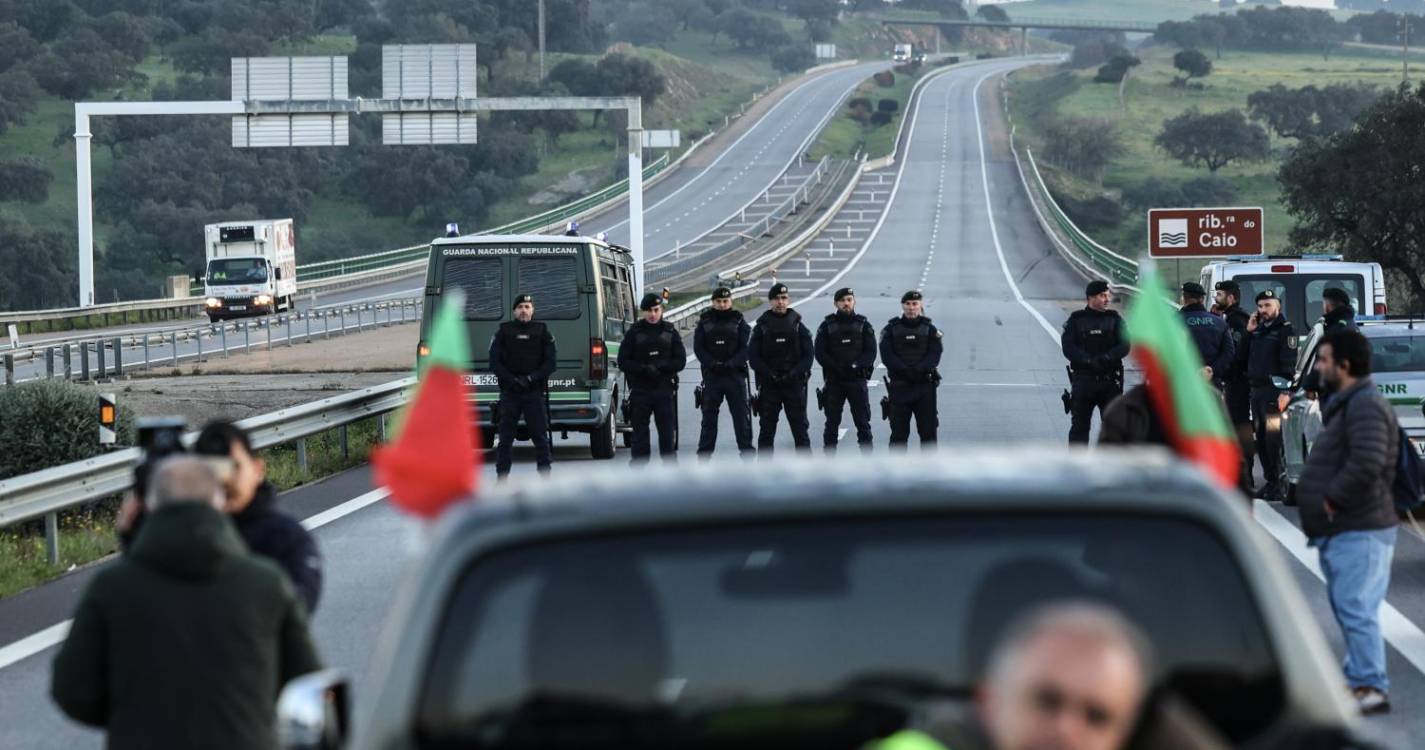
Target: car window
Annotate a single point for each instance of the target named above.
(483, 281)
(762, 616)
(1301, 293)
(1316, 286)
(554, 282)
(1397, 354)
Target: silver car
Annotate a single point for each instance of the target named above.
(823, 604)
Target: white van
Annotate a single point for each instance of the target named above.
(1299, 281)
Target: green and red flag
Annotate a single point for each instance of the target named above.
(1187, 405)
(433, 461)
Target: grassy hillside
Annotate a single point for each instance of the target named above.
(1037, 98)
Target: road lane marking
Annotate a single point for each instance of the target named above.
(54, 634)
(1399, 631)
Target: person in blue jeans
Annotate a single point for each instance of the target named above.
(1348, 508)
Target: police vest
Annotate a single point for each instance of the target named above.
(720, 335)
(910, 340)
(522, 346)
(1096, 333)
(652, 344)
(845, 338)
(781, 341)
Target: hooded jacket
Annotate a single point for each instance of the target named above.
(186, 641)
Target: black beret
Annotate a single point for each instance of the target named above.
(777, 290)
(1231, 287)
(522, 298)
(844, 291)
(1266, 294)
(1337, 294)
(912, 295)
(722, 292)
(1095, 288)
(650, 301)
(1194, 289)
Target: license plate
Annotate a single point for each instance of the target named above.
(238, 307)
(484, 379)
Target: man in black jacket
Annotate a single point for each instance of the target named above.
(252, 504)
(720, 344)
(1347, 499)
(186, 640)
(911, 349)
(1210, 334)
(1234, 386)
(781, 352)
(522, 356)
(1271, 355)
(846, 351)
(1336, 309)
(651, 356)
(1095, 344)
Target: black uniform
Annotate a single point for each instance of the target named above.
(651, 357)
(911, 350)
(781, 354)
(1213, 338)
(1343, 317)
(1236, 392)
(522, 357)
(1270, 352)
(1095, 345)
(846, 351)
(720, 344)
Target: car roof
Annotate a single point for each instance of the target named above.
(486, 239)
(1381, 328)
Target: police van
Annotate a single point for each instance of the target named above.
(583, 293)
(1299, 282)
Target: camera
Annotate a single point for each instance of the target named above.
(158, 438)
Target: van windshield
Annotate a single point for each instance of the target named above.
(690, 624)
(237, 271)
(1301, 293)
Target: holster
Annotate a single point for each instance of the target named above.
(886, 401)
(820, 400)
(1068, 401)
(698, 396)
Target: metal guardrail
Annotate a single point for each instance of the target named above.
(49, 491)
(690, 309)
(1110, 265)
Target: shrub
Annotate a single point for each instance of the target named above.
(885, 79)
(859, 102)
(46, 423)
(881, 118)
(888, 105)
(793, 58)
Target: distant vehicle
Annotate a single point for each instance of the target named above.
(902, 52)
(1299, 281)
(1398, 370)
(583, 292)
(803, 604)
(251, 268)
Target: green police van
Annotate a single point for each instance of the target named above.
(583, 292)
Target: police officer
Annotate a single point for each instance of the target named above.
(1095, 345)
(651, 357)
(522, 356)
(1210, 333)
(1271, 352)
(911, 349)
(1235, 388)
(720, 344)
(781, 354)
(1336, 310)
(846, 351)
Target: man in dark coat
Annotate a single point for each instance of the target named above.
(1234, 385)
(1271, 356)
(252, 503)
(651, 357)
(1211, 334)
(1336, 309)
(1095, 344)
(846, 351)
(186, 640)
(781, 353)
(1347, 499)
(522, 356)
(720, 343)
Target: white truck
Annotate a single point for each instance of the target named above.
(251, 268)
(902, 52)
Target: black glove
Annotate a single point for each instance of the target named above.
(524, 382)
(931, 377)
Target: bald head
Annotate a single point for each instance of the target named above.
(183, 479)
(1068, 677)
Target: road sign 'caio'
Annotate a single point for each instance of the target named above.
(1204, 232)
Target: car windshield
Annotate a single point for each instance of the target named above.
(237, 271)
(1398, 353)
(675, 634)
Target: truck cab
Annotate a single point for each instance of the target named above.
(902, 53)
(251, 268)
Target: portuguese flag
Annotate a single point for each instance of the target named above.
(433, 462)
(1187, 405)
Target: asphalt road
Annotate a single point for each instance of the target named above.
(960, 229)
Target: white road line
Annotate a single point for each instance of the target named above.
(1398, 630)
(54, 634)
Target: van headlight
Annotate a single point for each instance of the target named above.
(263, 299)
(213, 302)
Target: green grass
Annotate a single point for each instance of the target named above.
(1150, 100)
(844, 136)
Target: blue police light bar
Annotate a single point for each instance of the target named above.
(452, 230)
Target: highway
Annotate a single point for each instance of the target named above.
(958, 227)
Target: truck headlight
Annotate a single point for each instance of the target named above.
(213, 302)
(263, 299)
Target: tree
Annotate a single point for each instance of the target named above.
(814, 10)
(81, 63)
(644, 24)
(18, 95)
(750, 30)
(1082, 145)
(38, 262)
(25, 179)
(1310, 112)
(16, 45)
(993, 14)
(1192, 63)
(1156, 192)
(1360, 192)
(212, 52)
(1214, 139)
(793, 58)
(1116, 69)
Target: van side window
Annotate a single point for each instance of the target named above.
(483, 281)
(628, 307)
(614, 324)
(554, 282)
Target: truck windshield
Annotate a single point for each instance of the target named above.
(237, 271)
